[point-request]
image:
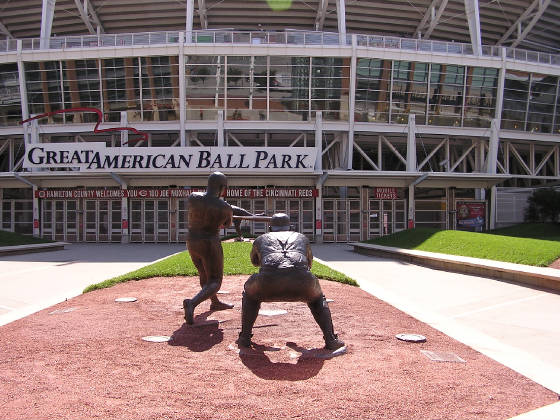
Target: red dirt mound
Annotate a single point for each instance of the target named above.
(85, 358)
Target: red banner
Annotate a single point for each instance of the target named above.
(72, 194)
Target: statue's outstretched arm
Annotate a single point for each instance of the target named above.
(238, 211)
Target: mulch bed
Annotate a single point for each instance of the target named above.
(85, 358)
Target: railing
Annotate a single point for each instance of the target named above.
(273, 38)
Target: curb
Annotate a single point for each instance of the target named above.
(543, 277)
(29, 248)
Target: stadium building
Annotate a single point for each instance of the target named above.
(358, 118)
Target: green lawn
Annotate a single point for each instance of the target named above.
(11, 239)
(236, 261)
(536, 244)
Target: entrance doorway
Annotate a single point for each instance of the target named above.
(385, 217)
(59, 220)
(341, 220)
(102, 221)
(149, 221)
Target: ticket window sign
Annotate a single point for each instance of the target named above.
(385, 193)
(471, 215)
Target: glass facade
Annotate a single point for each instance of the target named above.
(280, 88)
(437, 94)
(530, 102)
(10, 100)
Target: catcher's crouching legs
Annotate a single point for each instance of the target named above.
(249, 312)
(322, 314)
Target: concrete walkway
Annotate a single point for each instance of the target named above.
(513, 324)
(30, 282)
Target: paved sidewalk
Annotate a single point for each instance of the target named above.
(513, 324)
(33, 281)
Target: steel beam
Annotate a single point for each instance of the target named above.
(432, 16)
(47, 16)
(473, 17)
(543, 4)
(202, 14)
(89, 16)
(341, 15)
(4, 31)
(321, 15)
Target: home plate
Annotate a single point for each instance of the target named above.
(63, 311)
(324, 353)
(411, 338)
(156, 338)
(272, 312)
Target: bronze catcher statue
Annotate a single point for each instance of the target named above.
(285, 259)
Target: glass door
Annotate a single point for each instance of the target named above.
(149, 223)
(162, 220)
(47, 219)
(102, 221)
(328, 220)
(354, 228)
(136, 231)
(116, 224)
(182, 219)
(341, 217)
(386, 217)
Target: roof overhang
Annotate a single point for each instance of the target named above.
(69, 179)
(471, 180)
(419, 179)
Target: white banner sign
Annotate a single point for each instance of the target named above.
(100, 158)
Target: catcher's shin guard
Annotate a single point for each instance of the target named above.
(322, 314)
(249, 312)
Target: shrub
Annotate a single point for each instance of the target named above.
(544, 206)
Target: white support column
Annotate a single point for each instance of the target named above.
(125, 224)
(47, 16)
(319, 208)
(319, 141)
(124, 133)
(494, 142)
(411, 209)
(34, 133)
(182, 92)
(500, 91)
(23, 96)
(189, 21)
(220, 128)
(341, 15)
(473, 17)
(351, 103)
(492, 212)
(411, 145)
(36, 212)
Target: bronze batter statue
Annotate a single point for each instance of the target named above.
(285, 260)
(207, 214)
